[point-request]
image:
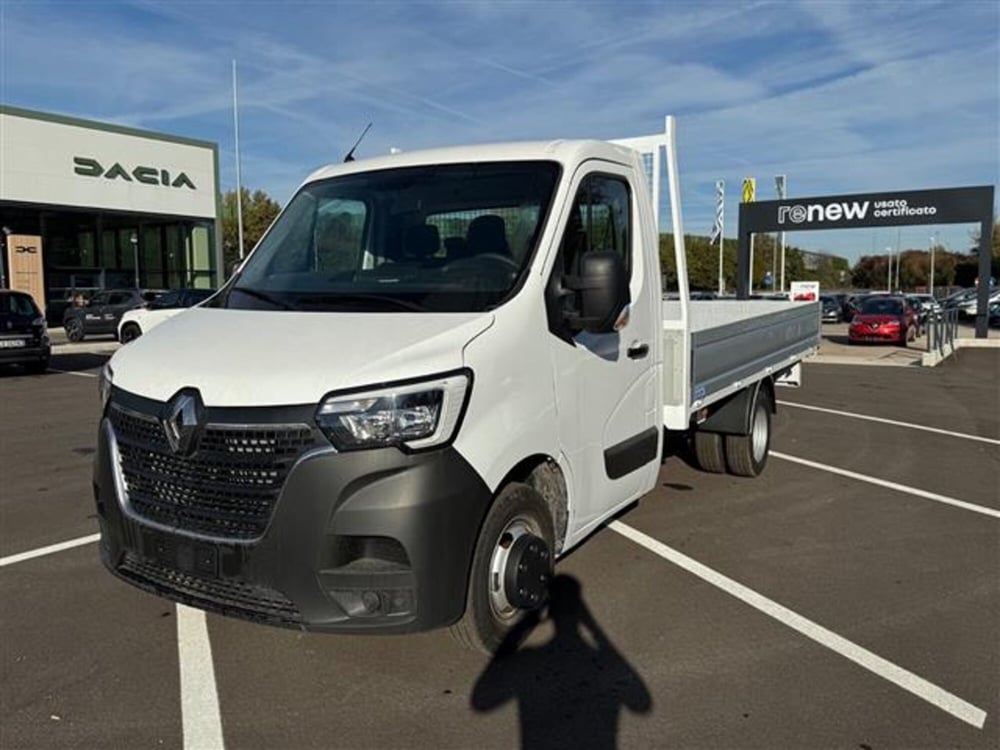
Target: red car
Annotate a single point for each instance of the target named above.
(883, 319)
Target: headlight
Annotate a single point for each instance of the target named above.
(412, 415)
(104, 384)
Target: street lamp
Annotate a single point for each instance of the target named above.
(888, 252)
(7, 232)
(134, 239)
(933, 242)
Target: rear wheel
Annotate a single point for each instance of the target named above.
(709, 452)
(130, 332)
(511, 568)
(746, 455)
(74, 329)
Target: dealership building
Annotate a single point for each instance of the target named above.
(87, 205)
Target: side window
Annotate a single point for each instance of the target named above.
(119, 298)
(22, 305)
(601, 219)
(167, 301)
(98, 299)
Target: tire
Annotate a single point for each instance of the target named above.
(130, 332)
(746, 455)
(516, 510)
(74, 330)
(709, 452)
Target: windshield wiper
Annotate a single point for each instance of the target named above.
(264, 296)
(351, 297)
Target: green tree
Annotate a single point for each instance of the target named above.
(259, 210)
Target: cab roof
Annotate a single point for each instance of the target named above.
(568, 153)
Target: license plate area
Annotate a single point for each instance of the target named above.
(12, 343)
(185, 555)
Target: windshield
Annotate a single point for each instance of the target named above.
(441, 238)
(882, 306)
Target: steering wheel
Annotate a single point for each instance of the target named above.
(507, 262)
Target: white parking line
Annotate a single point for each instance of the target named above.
(896, 423)
(200, 717)
(874, 663)
(74, 372)
(41, 551)
(890, 485)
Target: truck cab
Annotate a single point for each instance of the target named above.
(435, 374)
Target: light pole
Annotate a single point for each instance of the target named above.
(3, 248)
(888, 252)
(933, 242)
(134, 239)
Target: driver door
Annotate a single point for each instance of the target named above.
(605, 383)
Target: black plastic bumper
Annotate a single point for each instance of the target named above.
(368, 541)
(33, 352)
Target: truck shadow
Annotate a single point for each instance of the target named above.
(570, 690)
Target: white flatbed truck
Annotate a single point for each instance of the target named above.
(436, 373)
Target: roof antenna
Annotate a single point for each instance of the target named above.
(350, 154)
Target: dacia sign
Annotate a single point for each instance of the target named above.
(89, 167)
(50, 160)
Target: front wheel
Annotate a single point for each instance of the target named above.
(746, 455)
(511, 568)
(130, 332)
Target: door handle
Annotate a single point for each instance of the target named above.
(638, 351)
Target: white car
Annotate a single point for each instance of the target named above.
(135, 323)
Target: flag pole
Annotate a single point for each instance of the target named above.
(239, 182)
(721, 185)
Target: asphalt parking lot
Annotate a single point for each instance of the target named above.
(849, 598)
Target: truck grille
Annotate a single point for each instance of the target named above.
(226, 596)
(227, 488)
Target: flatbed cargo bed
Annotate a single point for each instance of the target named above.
(737, 342)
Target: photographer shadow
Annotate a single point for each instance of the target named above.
(570, 690)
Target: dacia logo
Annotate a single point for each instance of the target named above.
(148, 175)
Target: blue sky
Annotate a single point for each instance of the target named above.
(840, 96)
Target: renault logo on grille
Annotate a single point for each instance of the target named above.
(182, 422)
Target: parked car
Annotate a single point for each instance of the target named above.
(134, 323)
(101, 313)
(883, 319)
(24, 338)
(831, 308)
(969, 307)
(995, 315)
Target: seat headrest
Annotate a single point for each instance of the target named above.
(421, 241)
(488, 234)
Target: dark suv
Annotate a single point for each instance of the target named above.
(100, 315)
(24, 340)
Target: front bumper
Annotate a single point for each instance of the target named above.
(876, 335)
(367, 541)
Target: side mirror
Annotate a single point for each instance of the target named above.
(601, 292)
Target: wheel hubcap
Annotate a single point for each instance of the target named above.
(519, 568)
(759, 434)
